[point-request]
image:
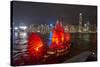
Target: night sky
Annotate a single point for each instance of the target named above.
(45, 13)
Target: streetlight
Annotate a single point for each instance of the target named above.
(15, 28)
(23, 27)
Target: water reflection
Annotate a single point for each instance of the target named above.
(80, 42)
(84, 40)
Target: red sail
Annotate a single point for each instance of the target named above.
(57, 37)
(35, 46)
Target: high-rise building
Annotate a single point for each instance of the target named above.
(88, 26)
(80, 22)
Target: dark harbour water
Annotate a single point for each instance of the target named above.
(84, 40)
(84, 45)
(80, 42)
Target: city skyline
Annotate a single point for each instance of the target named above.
(45, 13)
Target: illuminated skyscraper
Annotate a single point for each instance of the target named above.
(88, 26)
(80, 22)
